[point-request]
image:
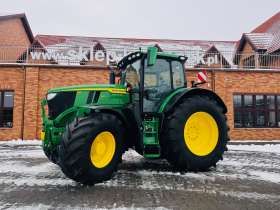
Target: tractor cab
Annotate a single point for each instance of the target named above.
(150, 78)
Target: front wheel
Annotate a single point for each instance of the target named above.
(195, 134)
(52, 155)
(91, 148)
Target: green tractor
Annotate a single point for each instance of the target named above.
(150, 109)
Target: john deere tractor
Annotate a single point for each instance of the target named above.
(149, 108)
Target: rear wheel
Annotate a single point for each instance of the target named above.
(91, 148)
(195, 134)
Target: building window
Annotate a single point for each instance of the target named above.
(6, 108)
(256, 111)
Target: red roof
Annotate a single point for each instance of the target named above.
(272, 25)
(265, 37)
(186, 47)
(50, 40)
(164, 44)
(275, 44)
(259, 41)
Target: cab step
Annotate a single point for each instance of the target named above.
(151, 151)
(150, 136)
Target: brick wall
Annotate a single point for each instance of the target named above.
(37, 80)
(13, 33)
(12, 78)
(40, 78)
(31, 103)
(14, 37)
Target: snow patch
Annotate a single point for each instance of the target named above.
(170, 173)
(132, 156)
(32, 207)
(265, 176)
(250, 195)
(37, 153)
(34, 181)
(21, 142)
(241, 163)
(273, 148)
(22, 168)
(46, 207)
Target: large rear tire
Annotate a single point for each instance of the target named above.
(195, 134)
(91, 148)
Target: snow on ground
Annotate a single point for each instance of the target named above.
(21, 142)
(275, 148)
(47, 207)
(247, 172)
(266, 176)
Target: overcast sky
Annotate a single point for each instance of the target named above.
(170, 19)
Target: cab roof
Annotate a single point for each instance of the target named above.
(130, 58)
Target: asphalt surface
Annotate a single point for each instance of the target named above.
(248, 178)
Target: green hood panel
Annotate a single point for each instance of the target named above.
(99, 87)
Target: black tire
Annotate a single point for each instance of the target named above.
(173, 142)
(51, 155)
(74, 150)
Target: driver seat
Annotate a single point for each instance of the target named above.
(132, 77)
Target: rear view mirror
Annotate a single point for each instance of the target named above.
(152, 55)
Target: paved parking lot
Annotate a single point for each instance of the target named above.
(248, 178)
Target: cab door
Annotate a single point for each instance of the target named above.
(157, 84)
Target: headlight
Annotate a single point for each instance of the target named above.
(50, 96)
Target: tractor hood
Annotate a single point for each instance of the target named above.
(62, 99)
(102, 87)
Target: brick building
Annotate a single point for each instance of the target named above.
(245, 73)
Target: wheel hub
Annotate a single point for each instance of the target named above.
(102, 149)
(201, 133)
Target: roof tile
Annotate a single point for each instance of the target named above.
(272, 25)
(275, 44)
(261, 41)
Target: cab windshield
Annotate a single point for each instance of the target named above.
(165, 75)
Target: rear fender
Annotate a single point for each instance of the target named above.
(189, 92)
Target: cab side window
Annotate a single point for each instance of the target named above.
(132, 74)
(178, 74)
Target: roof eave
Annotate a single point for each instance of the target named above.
(27, 28)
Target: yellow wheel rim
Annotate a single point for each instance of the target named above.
(201, 133)
(102, 149)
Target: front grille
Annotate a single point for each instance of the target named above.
(61, 102)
